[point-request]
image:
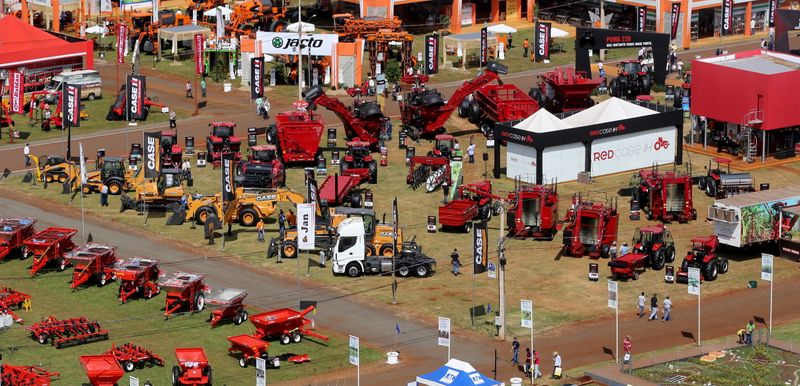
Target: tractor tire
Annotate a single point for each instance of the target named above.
(386, 250)
(370, 250)
(711, 187)
(209, 375)
(536, 94)
(485, 213)
(148, 293)
(242, 362)
(467, 227)
(245, 315)
(199, 302)
(42, 338)
(423, 270)
(286, 339)
(128, 366)
(114, 187)
(290, 249)
(669, 255)
(657, 262)
(176, 375)
(355, 200)
(373, 172)
(248, 217)
(62, 178)
(475, 113)
(237, 319)
(463, 108)
(203, 213)
(711, 270)
(277, 25)
(635, 275)
(701, 183)
(297, 337)
(486, 127)
(403, 270)
(86, 189)
(353, 270)
(723, 265)
(605, 251)
(271, 248)
(272, 135)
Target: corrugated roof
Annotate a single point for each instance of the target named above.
(760, 197)
(757, 64)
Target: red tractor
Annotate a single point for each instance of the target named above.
(703, 255)
(171, 151)
(664, 196)
(425, 112)
(13, 231)
(192, 369)
(358, 161)
(590, 228)
(363, 121)
(564, 89)
(652, 247)
(222, 140)
(262, 169)
(533, 211)
(633, 80)
(184, 292)
(719, 182)
(473, 202)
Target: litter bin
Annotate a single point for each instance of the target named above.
(764, 186)
(752, 284)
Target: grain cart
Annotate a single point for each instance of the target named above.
(137, 276)
(184, 292)
(664, 196)
(590, 228)
(227, 304)
(473, 202)
(719, 182)
(13, 232)
(633, 80)
(249, 348)
(757, 218)
(263, 169)
(222, 140)
(564, 89)
(494, 103)
(26, 376)
(286, 324)
(92, 261)
(364, 121)
(298, 134)
(193, 368)
(533, 211)
(652, 248)
(10, 300)
(67, 332)
(49, 246)
(102, 370)
(132, 357)
(703, 255)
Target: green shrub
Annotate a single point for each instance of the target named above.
(393, 71)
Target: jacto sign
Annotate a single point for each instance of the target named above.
(284, 43)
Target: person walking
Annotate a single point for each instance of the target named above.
(454, 260)
(640, 303)
(556, 365)
(528, 362)
(515, 352)
(104, 195)
(626, 349)
(258, 103)
(173, 119)
(537, 361)
(653, 308)
(291, 218)
(748, 332)
(601, 69)
(27, 152)
(189, 90)
(667, 309)
(203, 87)
(265, 106)
(388, 125)
(281, 222)
(525, 46)
(752, 26)
(260, 229)
(471, 153)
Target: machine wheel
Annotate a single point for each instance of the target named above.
(370, 250)
(86, 189)
(423, 270)
(710, 270)
(605, 251)
(245, 315)
(386, 250)
(290, 250)
(208, 374)
(272, 135)
(102, 279)
(403, 270)
(114, 187)
(297, 337)
(701, 183)
(353, 270)
(355, 200)
(176, 375)
(413, 132)
(248, 217)
(277, 25)
(669, 256)
(148, 293)
(475, 113)
(658, 260)
(468, 227)
(271, 250)
(48, 178)
(463, 108)
(237, 320)
(635, 275)
(286, 339)
(128, 366)
(242, 362)
(486, 127)
(62, 264)
(711, 187)
(202, 214)
(723, 265)
(199, 302)
(42, 338)
(373, 172)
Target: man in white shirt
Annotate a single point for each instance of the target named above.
(667, 309)
(471, 153)
(27, 152)
(641, 302)
(752, 26)
(556, 365)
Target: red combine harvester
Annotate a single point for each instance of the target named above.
(132, 357)
(102, 370)
(564, 89)
(171, 151)
(473, 202)
(494, 103)
(137, 276)
(222, 140)
(13, 232)
(227, 304)
(664, 196)
(364, 121)
(425, 112)
(297, 134)
(357, 167)
(49, 246)
(67, 332)
(12, 300)
(703, 255)
(590, 228)
(92, 261)
(533, 211)
(192, 369)
(287, 324)
(184, 292)
(652, 247)
(26, 376)
(262, 169)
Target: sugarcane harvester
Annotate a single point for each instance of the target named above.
(533, 211)
(590, 228)
(364, 120)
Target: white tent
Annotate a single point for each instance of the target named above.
(456, 373)
(501, 29)
(307, 27)
(558, 33)
(612, 109)
(542, 122)
(226, 12)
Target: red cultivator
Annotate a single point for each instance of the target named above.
(137, 275)
(287, 324)
(184, 292)
(26, 376)
(131, 357)
(11, 299)
(102, 370)
(67, 332)
(193, 368)
(49, 245)
(92, 261)
(13, 231)
(227, 304)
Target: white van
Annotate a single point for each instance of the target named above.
(89, 80)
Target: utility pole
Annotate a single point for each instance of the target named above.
(501, 282)
(300, 82)
(602, 25)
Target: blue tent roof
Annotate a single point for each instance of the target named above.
(456, 373)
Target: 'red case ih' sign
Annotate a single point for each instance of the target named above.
(122, 38)
(199, 65)
(16, 91)
(71, 105)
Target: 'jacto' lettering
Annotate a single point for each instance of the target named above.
(151, 153)
(306, 42)
(134, 103)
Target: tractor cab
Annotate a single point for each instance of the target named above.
(702, 247)
(648, 239)
(170, 183)
(445, 143)
(631, 67)
(50, 161)
(358, 154)
(262, 154)
(703, 256)
(720, 169)
(112, 167)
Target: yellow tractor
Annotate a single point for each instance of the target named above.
(246, 208)
(55, 169)
(158, 193)
(113, 174)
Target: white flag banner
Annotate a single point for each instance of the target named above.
(767, 266)
(526, 320)
(444, 331)
(133, 381)
(612, 294)
(83, 165)
(261, 372)
(354, 351)
(306, 223)
(694, 281)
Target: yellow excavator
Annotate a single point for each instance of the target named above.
(246, 208)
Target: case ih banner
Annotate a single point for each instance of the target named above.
(727, 17)
(134, 99)
(122, 39)
(431, 54)
(257, 79)
(16, 81)
(484, 46)
(152, 154)
(773, 5)
(480, 248)
(71, 105)
(641, 19)
(199, 65)
(676, 18)
(542, 41)
(227, 178)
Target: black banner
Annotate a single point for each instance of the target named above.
(676, 18)
(641, 19)
(484, 56)
(313, 192)
(431, 54)
(727, 17)
(71, 105)
(480, 248)
(227, 178)
(135, 91)
(542, 41)
(152, 154)
(773, 5)
(256, 77)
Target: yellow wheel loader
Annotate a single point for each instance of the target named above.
(246, 208)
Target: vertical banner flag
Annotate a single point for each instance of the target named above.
(152, 154)
(16, 89)
(312, 192)
(542, 41)
(431, 54)
(766, 266)
(641, 19)
(135, 91)
(133, 381)
(227, 178)
(676, 18)
(773, 4)
(526, 306)
(257, 77)
(484, 56)
(306, 223)
(261, 372)
(83, 164)
(395, 218)
(612, 294)
(71, 105)
(199, 65)
(354, 351)
(727, 17)
(444, 331)
(480, 248)
(122, 40)
(694, 281)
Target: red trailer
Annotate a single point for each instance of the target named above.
(533, 211)
(26, 376)
(250, 349)
(337, 190)
(67, 332)
(494, 103)
(473, 202)
(192, 369)
(12, 300)
(184, 292)
(298, 134)
(92, 261)
(227, 304)
(222, 140)
(287, 324)
(564, 89)
(13, 231)
(590, 227)
(137, 276)
(131, 356)
(49, 246)
(102, 370)
(664, 196)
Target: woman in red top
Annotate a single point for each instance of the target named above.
(527, 361)
(536, 362)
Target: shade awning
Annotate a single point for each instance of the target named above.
(22, 44)
(456, 373)
(306, 27)
(501, 29)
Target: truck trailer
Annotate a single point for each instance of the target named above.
(750, 219)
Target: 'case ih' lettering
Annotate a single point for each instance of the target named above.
(727, 16)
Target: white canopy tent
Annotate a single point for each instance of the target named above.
(226, 12)
(501, 29)
(558, 33)
(307, 27)
(612, 109)
(456, 373)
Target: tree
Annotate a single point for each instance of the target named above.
(393, 71)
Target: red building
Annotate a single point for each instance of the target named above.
(749, 99)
